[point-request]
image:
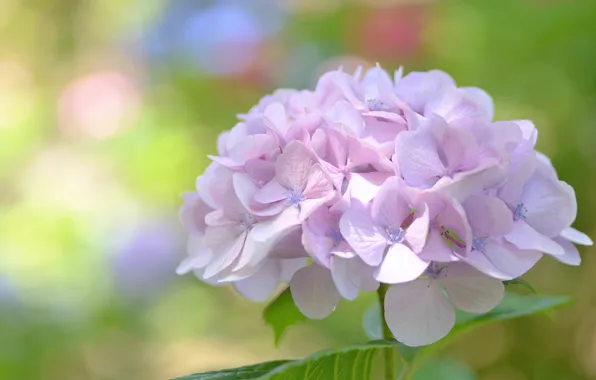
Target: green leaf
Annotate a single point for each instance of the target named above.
(348, 363)
(250, 372)
(513, 306)
(444, 369)
(282, 313)
(522, 282)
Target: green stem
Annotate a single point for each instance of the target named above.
(405, 372)
(390, 372)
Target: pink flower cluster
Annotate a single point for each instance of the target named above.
(368, 179)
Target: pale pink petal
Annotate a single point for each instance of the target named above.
(290, 266)
(488, 216)
(318, 143)
(509, 260)
(471, 291)
(482, 99)
(271, 192)
(245, 189)
(460, 150)
(314, 292)
(364, 187)
(290, 245)
(346, 85)
(455, 105)
(418, 313)
(418, 158)
(453, 218)
(217, 218)
(342, 277)
(199, 255)
(436, 249)
(318, 184)
(462, 184)
(389, 208)
(352, 275)
(192, 213)
(400, 265)
(506, 135)
(363, 275)
(222, 148)
(525, 237)
(361, 153)
(226, 247)
(212, 183)
(308, 206)
(346, 118)
(528, 130)
(576, 236)
(550, 203)
(236, 135)
(260, 170)
(275, 118)
(367, 239)
(512, 190)
(293, 166)
(272, 230)
(261, 285)
(417, 87)
(253, 253)
(317, 244)
(337, 148)
(481, 262)
(212, 281)
(571, 256)
(251, 146)
(417, 232)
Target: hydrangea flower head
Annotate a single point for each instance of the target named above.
(370, 180)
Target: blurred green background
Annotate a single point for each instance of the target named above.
(108, 109)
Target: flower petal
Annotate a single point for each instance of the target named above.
(482, 99)
(417, 87)
(418, 313)
(472, 291)
(367, 239)
(456, 104)
(226, 247)
(274, 117)
(576, 236)
(199, 255)
(550, 203)
(417, 232)
(510, 260)
(346, 118)
(488, 216)
(340, 271)
(418, 158)
(436, 249)
(512, 190)
(318, 183)
(571, 256)
(389, 208)
(290, 266)
(400, 265)
(314, 292)
(260, 285)
(245, 189)
(270, 193)
(525, 237)
(292, 168)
